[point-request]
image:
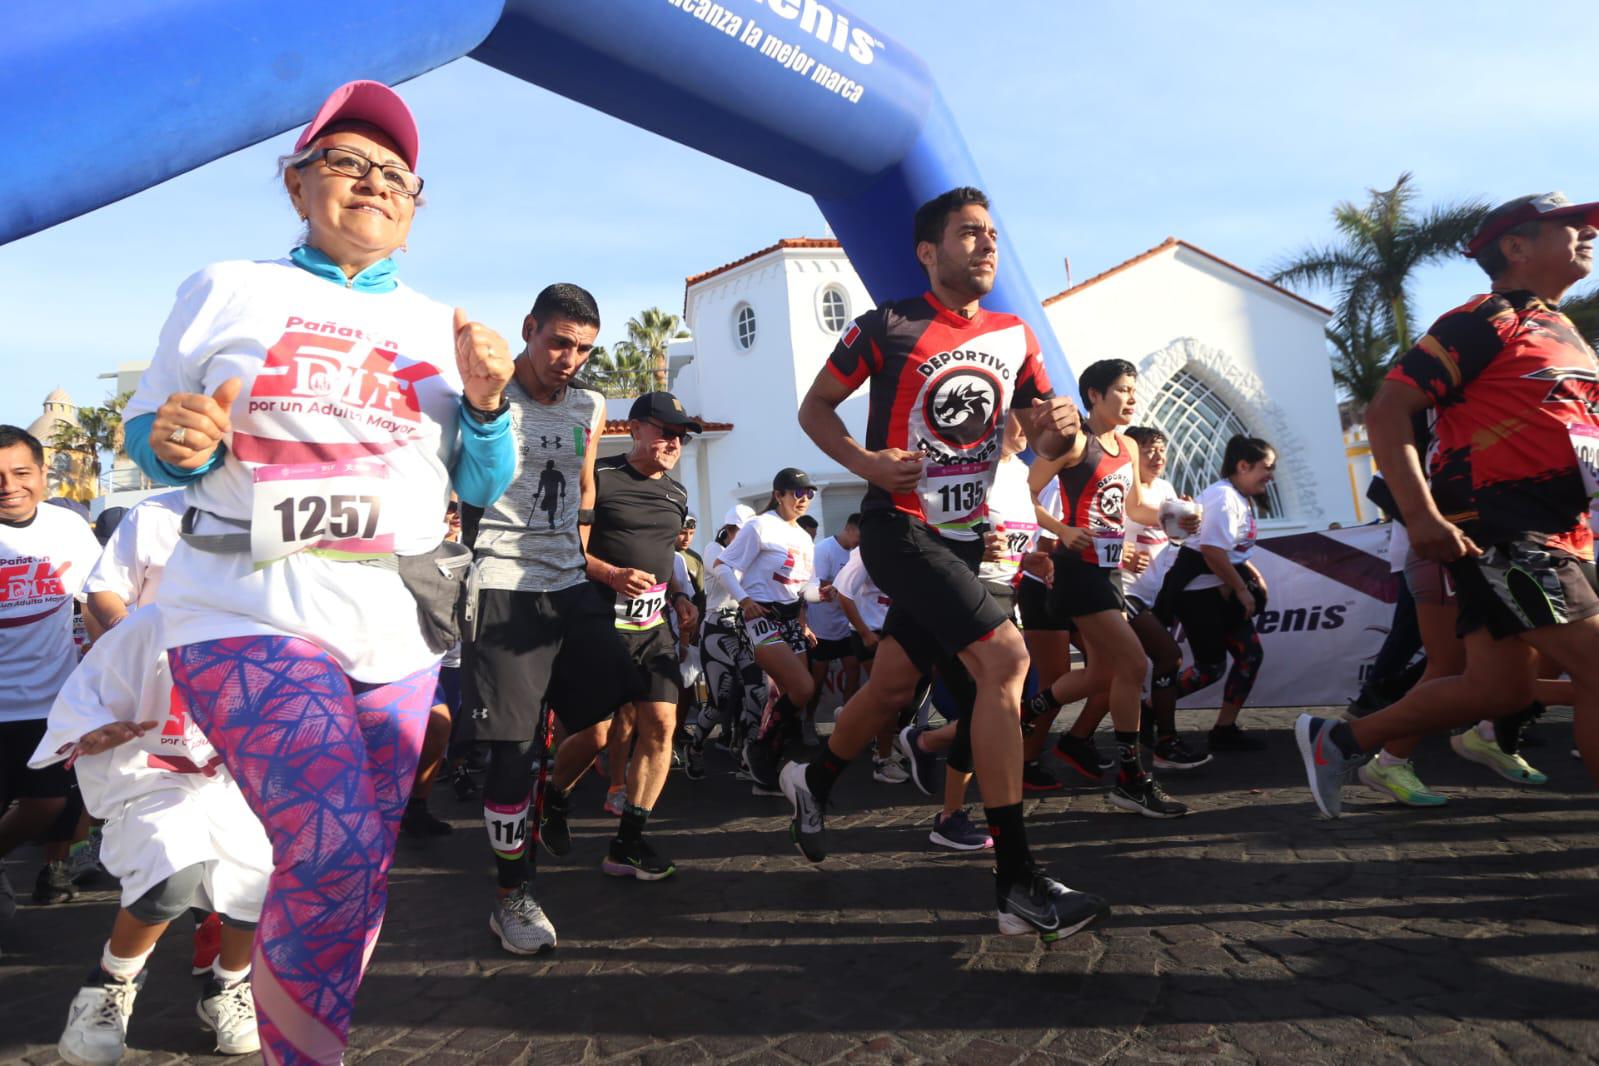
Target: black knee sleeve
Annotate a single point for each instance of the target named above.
(510, 774)
(960, 750)
(169, 899)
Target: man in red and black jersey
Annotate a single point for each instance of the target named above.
(943, 374)
(1517, 394)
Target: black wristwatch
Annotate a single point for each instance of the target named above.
(486, 416)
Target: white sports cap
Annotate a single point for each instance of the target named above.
(737, 515)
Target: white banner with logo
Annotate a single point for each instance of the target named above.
(1330, 603)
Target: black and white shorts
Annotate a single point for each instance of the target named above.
(1520, 585)
(779, 625)
(562, 647)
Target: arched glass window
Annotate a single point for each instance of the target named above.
(1198, 424)
(835, 309)
(744, 326)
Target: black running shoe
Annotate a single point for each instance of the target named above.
(923, 767)
(1173, 753)
(554, 832)
(636, 859)
(694, 760)
(808, 829)
(1040, 904)
(1147, 798)
(54, 885)
(761, 762)
(1037, 778)
(1080, 755)
(1233, 738)
(463, 784)
(418, 821)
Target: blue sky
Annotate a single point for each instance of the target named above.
(1101, 128)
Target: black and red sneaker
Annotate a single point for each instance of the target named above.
(1080, 755)
(1036, 778)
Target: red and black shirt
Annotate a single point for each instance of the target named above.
(1509, 375)
(941, 384)
(1094, 496)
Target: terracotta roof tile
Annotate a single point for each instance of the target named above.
(1173, 242)
(787, 242)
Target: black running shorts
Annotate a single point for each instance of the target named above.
(939, 605)
(827, 651)
(859, 649)
(654, 653)
(557, 646)
(1032, 603)
(1520, 585)
(1081, 588)
(17, 781)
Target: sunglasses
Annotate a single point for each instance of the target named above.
(803, 494)
(673, 432)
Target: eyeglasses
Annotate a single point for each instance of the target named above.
(673, 432)
(352, 164)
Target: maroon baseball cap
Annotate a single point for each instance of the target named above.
(1542, 207)
(366, 101)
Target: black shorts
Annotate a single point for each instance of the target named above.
(828, 651)
(859, 648)
(1032, 603)
(17, 780)
(1003, 595)
(561, 647)
(1520, 585)
(654, 653)
(1081, 588)
(939, 605)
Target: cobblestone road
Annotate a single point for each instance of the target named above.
(1251, 932)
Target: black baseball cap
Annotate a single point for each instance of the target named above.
(1542, 207)
(791, 478)
(664, 408)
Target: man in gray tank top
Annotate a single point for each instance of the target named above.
(546, 634)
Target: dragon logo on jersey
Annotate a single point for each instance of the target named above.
(962, 407)
(1112, 497)
(1578, 385)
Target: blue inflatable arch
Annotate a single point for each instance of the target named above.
(800, 91)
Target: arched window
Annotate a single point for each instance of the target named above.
(744, 326)
(834, 308)
(1197, 424)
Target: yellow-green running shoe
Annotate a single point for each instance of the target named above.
(1399, 781)
(1470, 745)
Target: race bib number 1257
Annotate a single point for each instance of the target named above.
(333, 509)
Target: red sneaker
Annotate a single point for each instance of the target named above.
(207, 944)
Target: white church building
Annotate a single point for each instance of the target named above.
(1219, 351)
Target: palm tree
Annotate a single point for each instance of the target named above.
(1362, 349)
(1384, 242)
(623, 371)
(98, 429)
(651, 332)
(1584, 313)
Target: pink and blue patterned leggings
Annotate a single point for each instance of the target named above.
(326, 763)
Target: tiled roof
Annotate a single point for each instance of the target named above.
(617, 427)
(1165, 245)
(787, 242)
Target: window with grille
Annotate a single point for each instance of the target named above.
(1198, 423)
(835, 309)
(744, 326)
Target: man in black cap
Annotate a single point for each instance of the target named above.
(638, 512)
(1514, 469)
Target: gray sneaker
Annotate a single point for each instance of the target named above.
(958, 833)
(1327, 768)
(229, 1012)
(807, 830)
(519, 922)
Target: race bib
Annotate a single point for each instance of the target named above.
(953, 495)
(332, 509)
(642, 611)
(1585, 442)
(1108, 548)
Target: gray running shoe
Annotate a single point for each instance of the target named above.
(923, 767)
(808, 830)
(1042, 905)
(958, 833)
(1327, 768)
(519, 922)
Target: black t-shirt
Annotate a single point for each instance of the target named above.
(636, 518)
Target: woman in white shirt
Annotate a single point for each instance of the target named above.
(1221, 591)
(765, 570)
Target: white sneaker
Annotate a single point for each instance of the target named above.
(521, 924)
(229, 1011)
(97, 1021)
(889, 771)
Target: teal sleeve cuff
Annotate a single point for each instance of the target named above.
(486, 463)
(136, 442)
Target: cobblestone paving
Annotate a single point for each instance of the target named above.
(1250, 932)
